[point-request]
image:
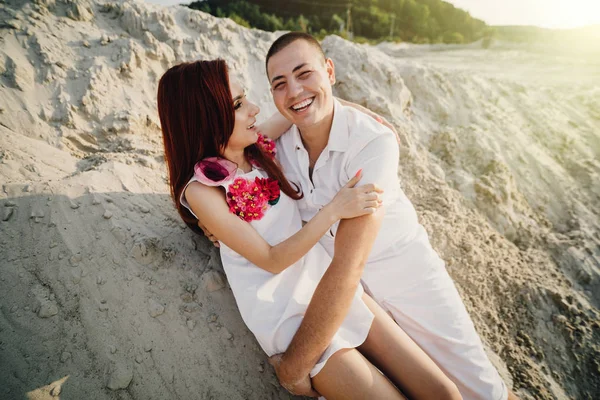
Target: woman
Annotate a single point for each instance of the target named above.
(222, 172)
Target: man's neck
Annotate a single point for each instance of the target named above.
(316, 137)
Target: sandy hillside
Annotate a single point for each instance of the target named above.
(105, 293)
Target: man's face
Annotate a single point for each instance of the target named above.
(301, 83)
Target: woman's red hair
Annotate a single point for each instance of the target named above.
(197, 117)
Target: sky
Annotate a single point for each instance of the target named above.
(544, 13)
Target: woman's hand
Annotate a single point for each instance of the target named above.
(373, 115)
(351, 202)
(386, 123)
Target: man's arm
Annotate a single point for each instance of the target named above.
(354, 239)
(331, 301)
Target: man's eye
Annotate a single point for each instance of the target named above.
(279, 86)
(305, 74)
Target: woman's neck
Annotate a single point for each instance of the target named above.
(238, 157)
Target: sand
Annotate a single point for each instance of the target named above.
(105, 293)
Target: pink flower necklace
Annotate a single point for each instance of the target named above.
(248, 199)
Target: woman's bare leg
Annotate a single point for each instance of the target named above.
(349, 375)
(391, 350)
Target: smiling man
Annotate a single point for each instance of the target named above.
(388, 252)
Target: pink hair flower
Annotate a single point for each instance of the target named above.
(267, 145)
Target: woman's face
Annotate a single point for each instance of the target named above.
(244, 132)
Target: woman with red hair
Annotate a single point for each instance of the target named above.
(222, 171)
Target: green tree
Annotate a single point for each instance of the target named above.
(303, 23)
(454, 38)
(336, 24)
(415, 20)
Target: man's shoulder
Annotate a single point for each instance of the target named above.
(363, 129)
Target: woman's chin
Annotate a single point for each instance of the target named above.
(250, 142)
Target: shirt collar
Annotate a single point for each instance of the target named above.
(297, 140)
(338, 135)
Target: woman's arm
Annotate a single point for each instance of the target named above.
(209, 204)
(275, 126)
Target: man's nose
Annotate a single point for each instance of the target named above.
(294, 88)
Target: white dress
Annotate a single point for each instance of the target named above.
(272, 306)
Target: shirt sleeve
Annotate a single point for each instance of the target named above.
(379, 162)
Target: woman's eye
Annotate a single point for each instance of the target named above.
(237, 105)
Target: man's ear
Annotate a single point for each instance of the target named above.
(330, 70)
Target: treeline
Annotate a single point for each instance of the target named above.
(419, 21)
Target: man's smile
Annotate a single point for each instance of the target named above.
(302, 105)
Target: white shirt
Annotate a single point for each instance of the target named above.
(356, 141)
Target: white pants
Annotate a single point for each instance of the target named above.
(415, 288)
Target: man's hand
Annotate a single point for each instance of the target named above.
(209, 235)
(298, 387)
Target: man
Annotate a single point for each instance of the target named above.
(388, 252)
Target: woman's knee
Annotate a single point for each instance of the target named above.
(348, 375)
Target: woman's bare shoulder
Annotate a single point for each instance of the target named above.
(201, 195)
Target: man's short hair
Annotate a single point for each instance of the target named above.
(287, 39)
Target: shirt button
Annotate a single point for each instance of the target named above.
(297, 147)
